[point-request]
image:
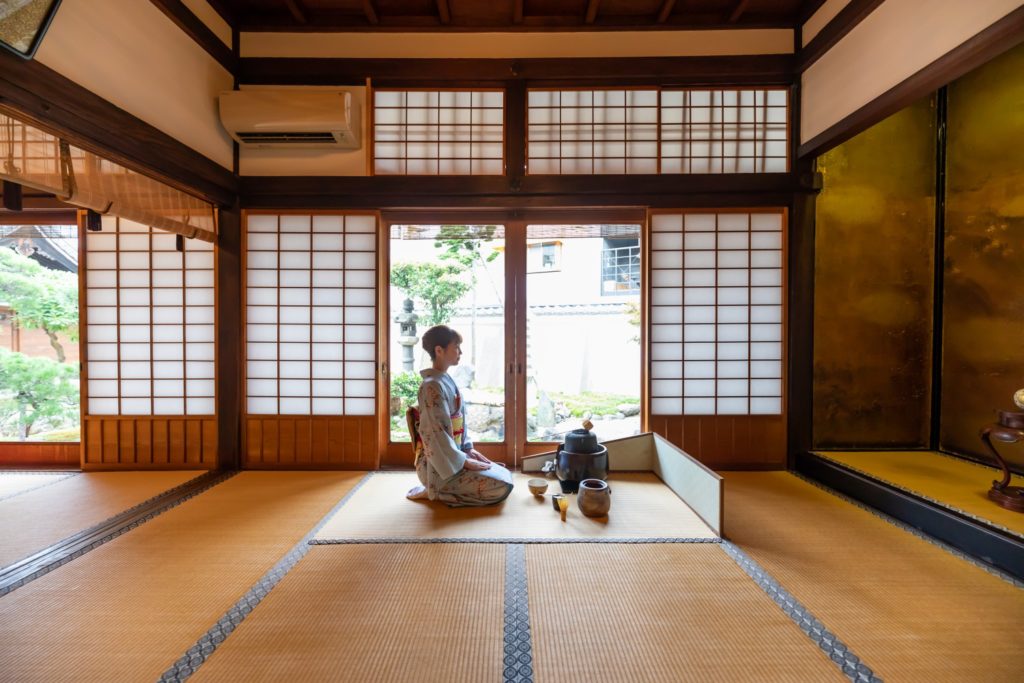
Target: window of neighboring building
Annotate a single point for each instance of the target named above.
(620, 267)
(543, 257)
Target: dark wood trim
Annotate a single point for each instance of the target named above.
(43, 217)
(938, 266)
(338, 22)
(985, 543)
(370, 12)
(297, 11)
(745, 70)
(404, 192)
(592, 7)
(1001, 36)
(229, 347)
(517, 12)
(225, 12)
(834, 31)
(443, 13)
(515, 132)
(738, 11)
(800, 322)
(45, 98)
(809, 9)
(13, 197)
(193, 26)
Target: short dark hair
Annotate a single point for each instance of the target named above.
(439, 335)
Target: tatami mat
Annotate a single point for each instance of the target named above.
(13, 483)
(375, 613)
(652, 613)
(911, 610)
(129, 609)
(35, 519)
(949, 481)
(642, 507)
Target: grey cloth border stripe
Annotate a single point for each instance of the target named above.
(67, 475)
(934, 501)
(1009, 578)
(51, 558)
(194, 657)
(851, 665)
(507, 541)
(517, 660)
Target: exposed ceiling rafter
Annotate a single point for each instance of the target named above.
(665, 11)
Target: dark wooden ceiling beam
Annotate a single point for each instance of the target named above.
(53, 217)
(665, 11)
(13, 197)
(225, 12)
(517, 12)
(443, 13)
(295, 7)
(834, 31)
(738, 11)
(592, 7)
(370, 12)
(43, 97)
(749, 70)
(193, 26)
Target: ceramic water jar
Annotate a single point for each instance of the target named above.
(595, 498)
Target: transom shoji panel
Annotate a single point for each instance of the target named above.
(716, 314)
(592, 131)
(657, 131)
(149, 322)
(311, 315)
(438, 132)
(724, 131)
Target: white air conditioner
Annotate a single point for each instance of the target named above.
(291, 118)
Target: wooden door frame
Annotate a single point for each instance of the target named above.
(515, 445)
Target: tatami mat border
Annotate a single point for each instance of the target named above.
(194, 657)
(849, 663)
(922, 496)
(914, 531)
(212, 479)
(517, 662)
(67, 475)
(507, 541)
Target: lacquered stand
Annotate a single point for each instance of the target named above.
(1009, 430)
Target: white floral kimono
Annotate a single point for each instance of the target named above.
(445, 444)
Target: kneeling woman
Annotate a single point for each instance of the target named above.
(449, 468)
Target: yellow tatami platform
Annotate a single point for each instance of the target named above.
(911, 610)
(949, 481)
(37, 518)
(642, 507)
(129, 609)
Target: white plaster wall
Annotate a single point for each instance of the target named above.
(826, 13)
(519, 45)
(894, 42)
(130, 54)
(209, 16)
(309, 162)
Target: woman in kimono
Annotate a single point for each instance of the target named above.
(449, 468)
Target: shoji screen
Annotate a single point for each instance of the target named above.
(716, 330)
(311, 328)
(645, 130)
(149, 347)
(438, 132)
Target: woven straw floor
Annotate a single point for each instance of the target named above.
(912, 611)
(955, 483)
(642, 507)
(12, 483)
(127, 610)
(652, 613)
(375, 613)
(35, 519)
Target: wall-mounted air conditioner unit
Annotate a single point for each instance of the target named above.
(291, 118)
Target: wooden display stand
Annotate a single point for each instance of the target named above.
(1009, 430)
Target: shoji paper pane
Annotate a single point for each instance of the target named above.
(724, 131)
(716, 313)
(447, 132)
(311, 315)
(643, 130)
(592, 131)
(149, 333)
